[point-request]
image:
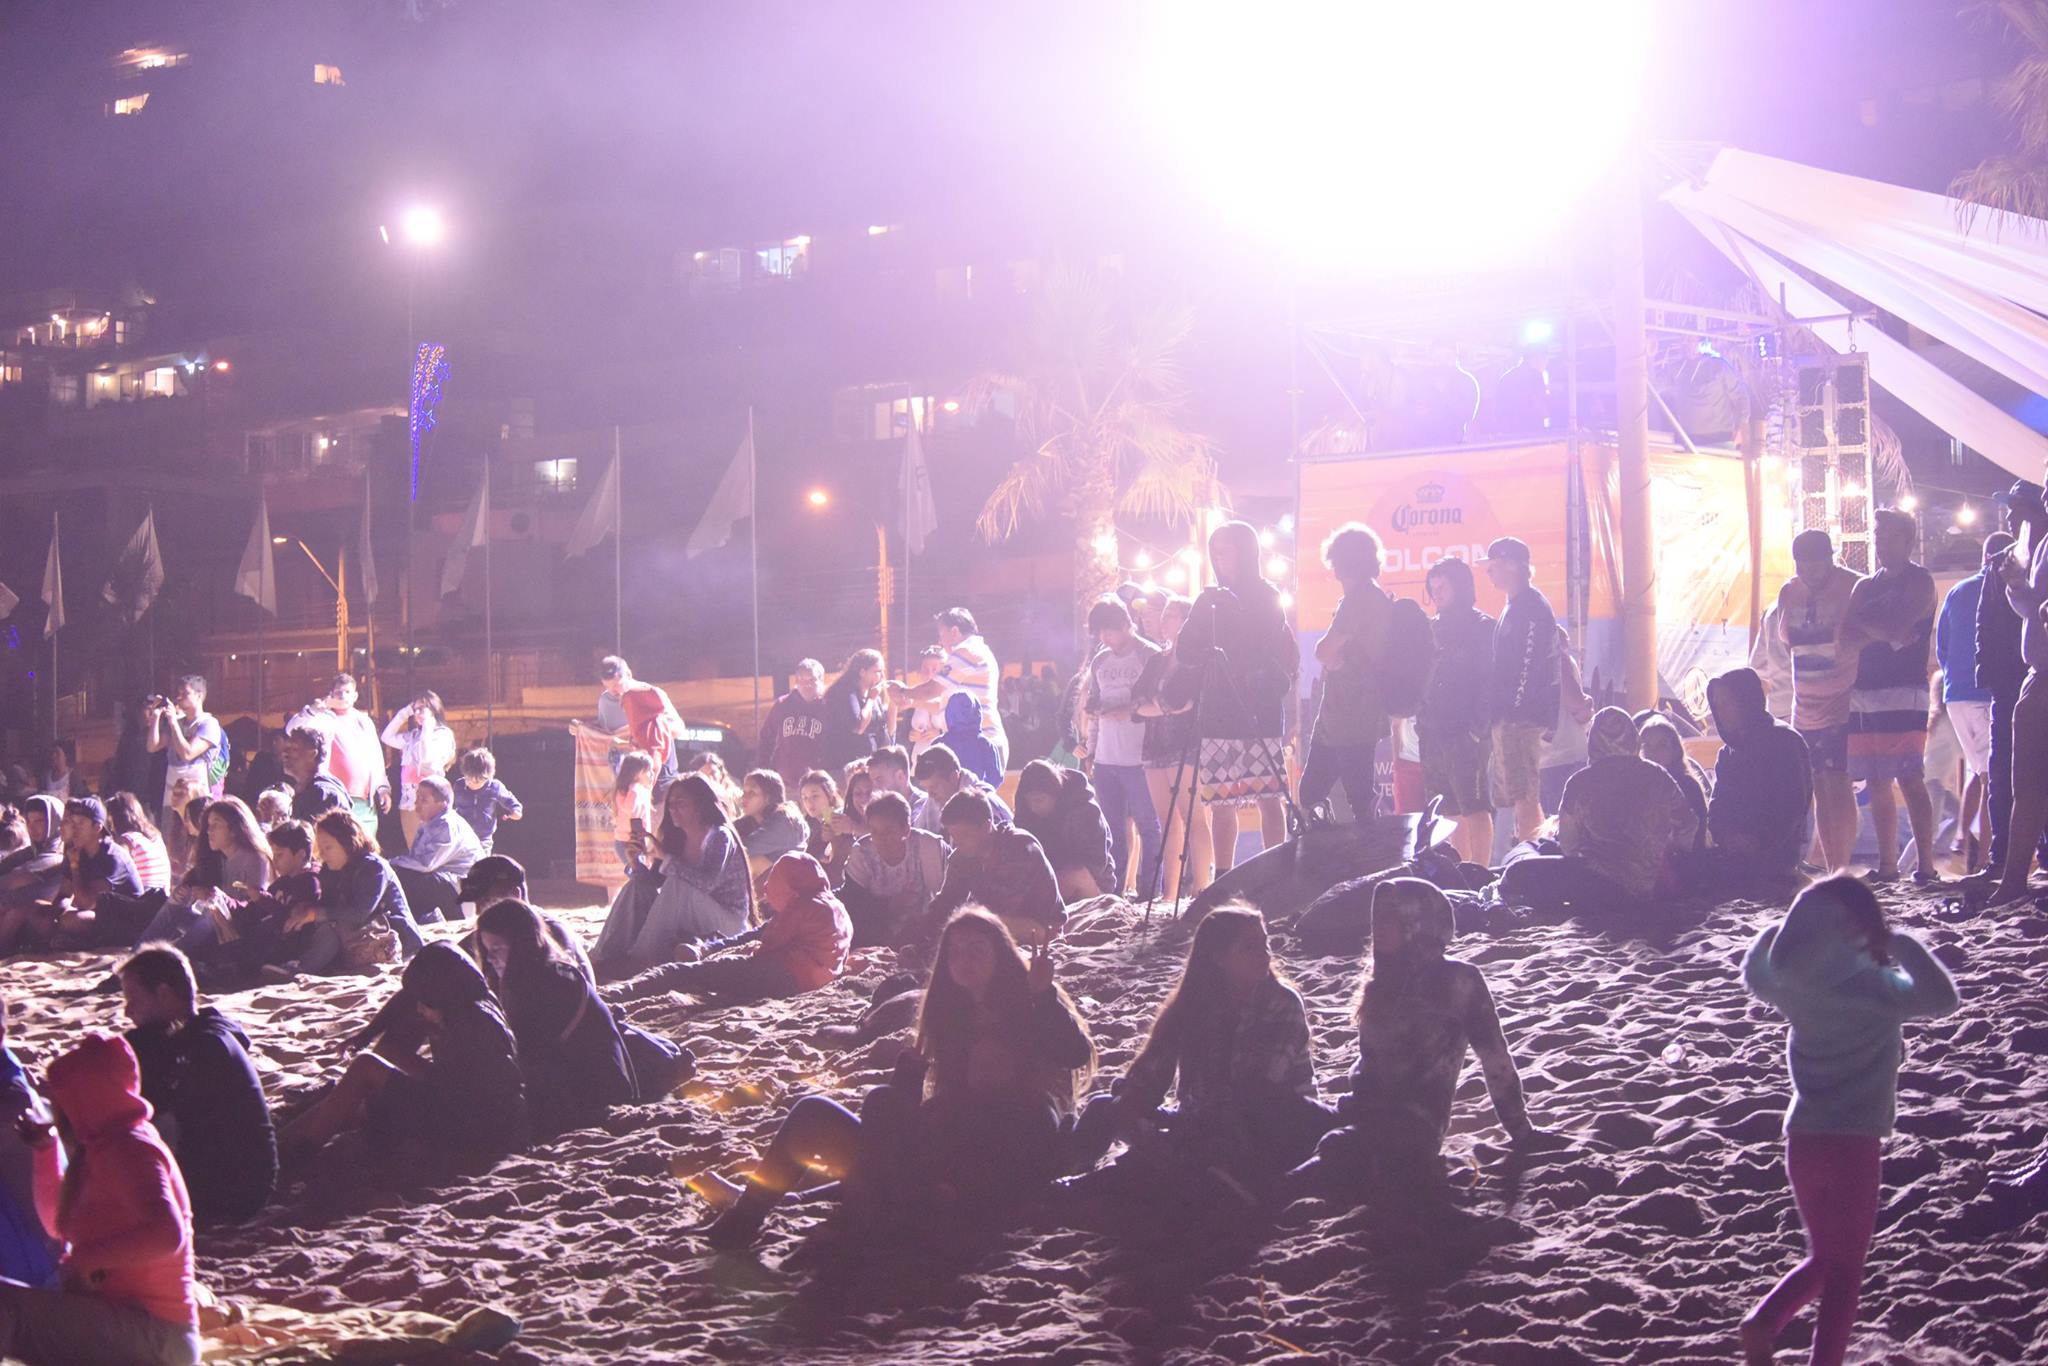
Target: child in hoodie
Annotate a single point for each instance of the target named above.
(1763, 787)
(1845, 981)
(1058, 807)
(800, 947)
(970, 745)
(122, 1211)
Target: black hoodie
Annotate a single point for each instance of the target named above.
(1763, 784)
(209, 1104)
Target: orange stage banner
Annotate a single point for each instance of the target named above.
(1431, 507)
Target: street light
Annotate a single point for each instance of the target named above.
(337, 583)
(423, 225)
(819, 499)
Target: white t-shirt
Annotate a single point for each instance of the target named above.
(908, 886)
(971, 668)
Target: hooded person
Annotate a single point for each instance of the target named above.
(800, 947)
(32, 872)
(28, 1255)
(571, 1053)
(1763, 786)
(1620, 821)
(465, 1100)
(1845, 981)
(1418, 1013)
(1058, 806)
(119, 1206)
(965, 737)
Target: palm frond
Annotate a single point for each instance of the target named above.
(2009, 184)
(1152, 360)
(2022, 95)
(1888, 458)
(1173, 495)
(1021, 495)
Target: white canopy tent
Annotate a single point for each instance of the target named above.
(1982, 291)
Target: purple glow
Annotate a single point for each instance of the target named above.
(429, 371)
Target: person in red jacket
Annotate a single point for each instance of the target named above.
(121, 1209)
(802, 946)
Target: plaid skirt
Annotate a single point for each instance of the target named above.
(1241, 772)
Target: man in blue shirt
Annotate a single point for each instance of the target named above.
(1967, 701)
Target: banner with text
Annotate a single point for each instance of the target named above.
(597, 862)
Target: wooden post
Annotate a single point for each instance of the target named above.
(1632, 441)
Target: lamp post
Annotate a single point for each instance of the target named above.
(420, 229)
(338, 581)
(819, 499)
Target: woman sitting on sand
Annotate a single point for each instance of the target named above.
(705, 889)
(234, 854)
(571, 1052)
(111, 1192)
(800, 947)
(466, 1100)
(1663, 746)
(1418, 1013)
(362, 918)
(1235, 1034)
(971, 1119)
(1058, 806)
(1845, 980)
(254, 934)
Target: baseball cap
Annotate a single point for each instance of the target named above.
(494, 870)
(1509, 548)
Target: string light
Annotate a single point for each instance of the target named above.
(1909, 503)
(1276, 567)
(1966, 515)
(1142, 560)
(429, 372)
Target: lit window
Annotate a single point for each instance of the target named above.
(64, 390)
(129, 104)
(161, 382)
(327, 75)
(555, 474)
(120, 331)
(893, 419)
(786, 259)
(105, 386)
(10, 374)
(150, 59)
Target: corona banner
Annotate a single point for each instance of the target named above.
(1433, 506)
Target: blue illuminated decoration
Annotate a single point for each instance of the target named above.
(429, 372)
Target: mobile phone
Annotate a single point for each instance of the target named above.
(639, 831)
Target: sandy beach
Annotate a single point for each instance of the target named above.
(1644, 1240)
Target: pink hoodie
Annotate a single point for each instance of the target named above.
(129, 1226)
(809, 932)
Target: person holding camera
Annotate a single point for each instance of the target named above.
(196, 758)
(426, 749)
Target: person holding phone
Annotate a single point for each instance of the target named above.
(971, 1119)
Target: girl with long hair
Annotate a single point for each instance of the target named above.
(1232, 1042)
(357, 925)
(817, 796)
(706, 890)
(233, 867)
(426, 747)
(857, 712)
(1845, 981)
(632, 803)
(1058, 807)
(570, 1049)
(770, 824)
(970, 1120)
(138, 834)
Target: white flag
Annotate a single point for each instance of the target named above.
(476, 526)
(600, 516)
(53, 585)
(366, 563)
(733, 500)
(256, 579)
(138, 574)
(920, 514)
(8, 600)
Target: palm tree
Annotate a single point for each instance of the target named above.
(1100, 401)
(2015, 181)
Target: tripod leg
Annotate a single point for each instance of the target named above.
(1159, 857)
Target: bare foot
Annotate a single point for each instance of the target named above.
(1756, 1344)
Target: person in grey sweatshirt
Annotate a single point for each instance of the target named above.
(1123, 675)
(1845, 980)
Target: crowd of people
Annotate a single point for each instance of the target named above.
(875, 816)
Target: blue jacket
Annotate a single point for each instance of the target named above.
(1845, 1010)
(1955, 642)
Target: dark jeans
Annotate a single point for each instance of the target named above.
(1329, 764)
(734, 981)
(431, 897)
(1553, 881)
(1126, 796)
(1255, 1138)
(2000, 795)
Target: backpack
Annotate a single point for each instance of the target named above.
(1408, 659)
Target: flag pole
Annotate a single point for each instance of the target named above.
(618, 544)
(754, 556)
(151, 519)
(490, 659)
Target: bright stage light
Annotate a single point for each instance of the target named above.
(423, 226)
(1966, 515)
(1390, 139)
(1538, 332)
(1909, 503)
(817, 498)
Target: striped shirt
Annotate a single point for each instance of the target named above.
(1823, 678)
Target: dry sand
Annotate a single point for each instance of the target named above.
(1645, 1240)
